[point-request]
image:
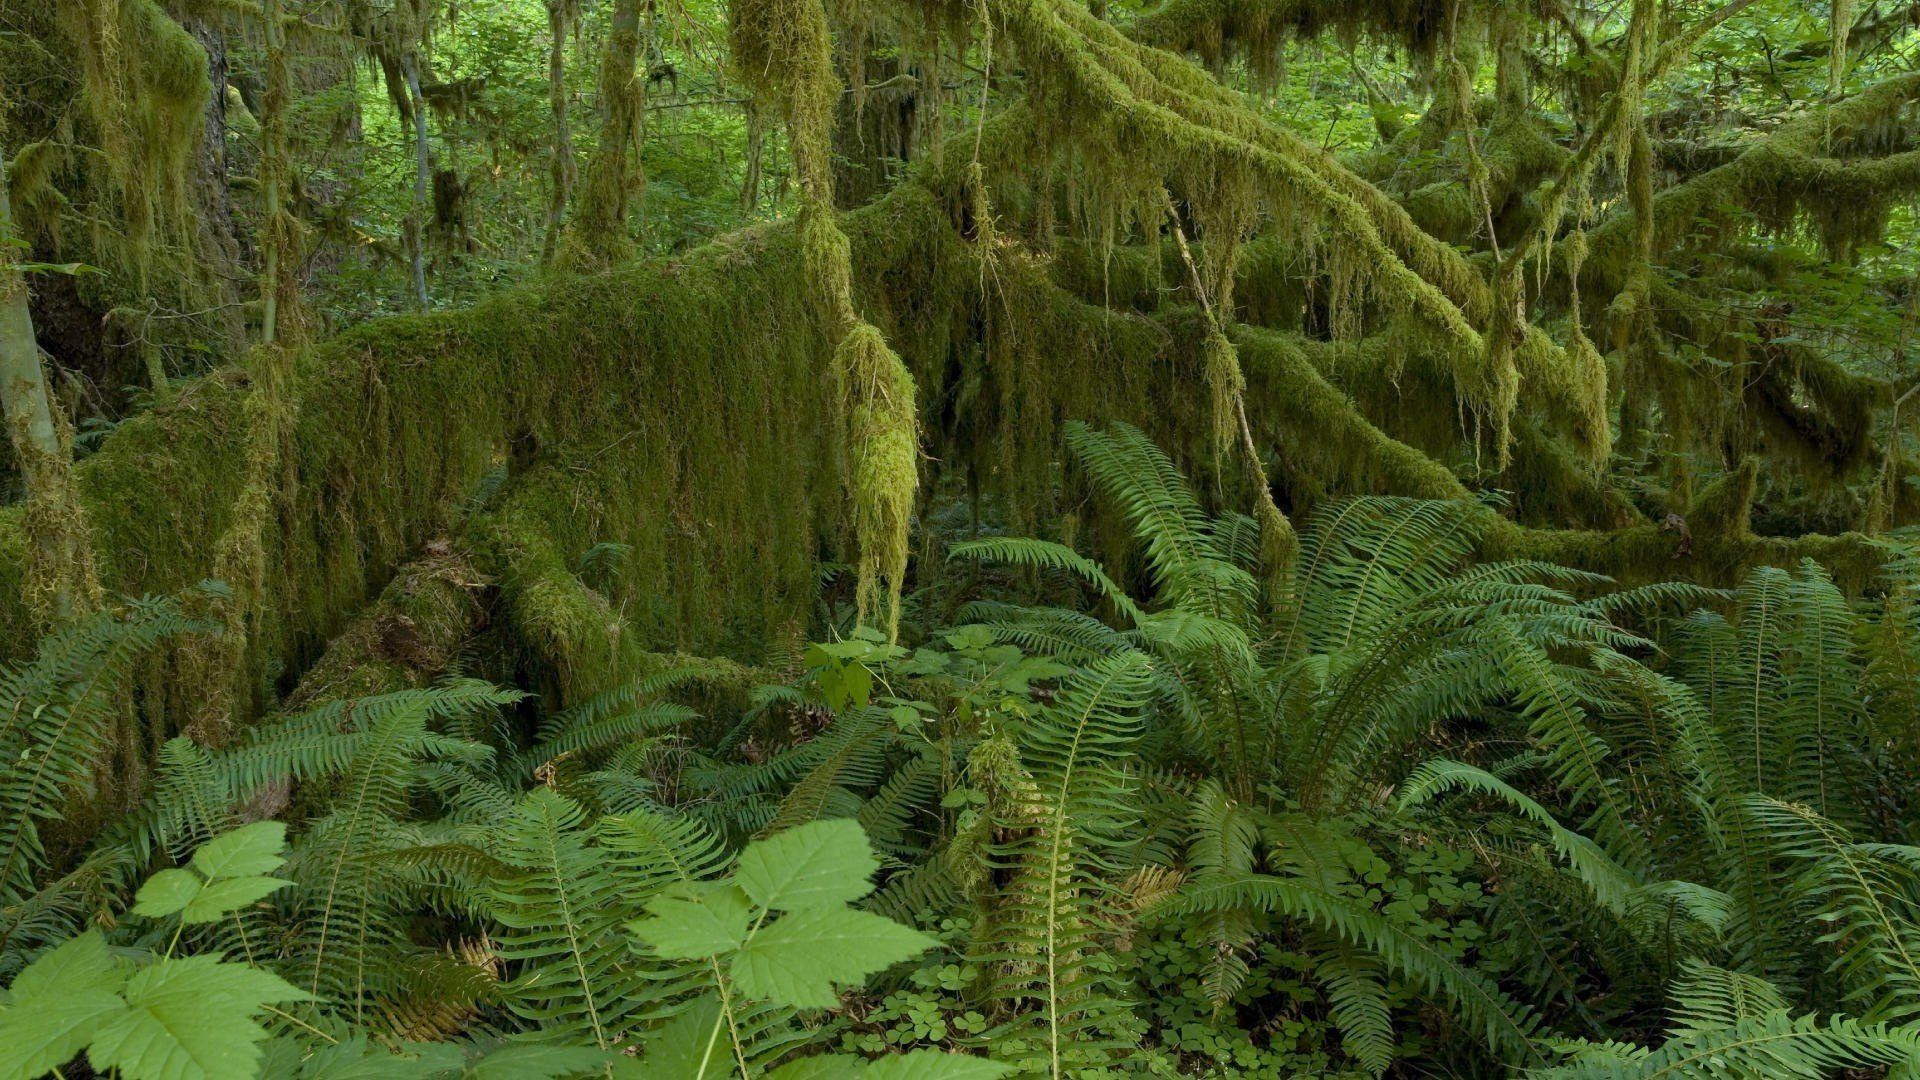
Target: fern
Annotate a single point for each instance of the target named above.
(1507, 1025)
(560, 912)
(57, 714)
(1612, 885)
(1865, 895)
(1064, 828)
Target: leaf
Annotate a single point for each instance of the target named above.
(219, 899)
(535, 1062)
(250, 849)
(190, 1019)
(712, 922)
(935, 1065)
(38, 1037)
(166, 892)
(59, 1002)
(817, 864)
(803, 958)
(856, 684)
(821, 1067)
(691, 1046)
(78, 965)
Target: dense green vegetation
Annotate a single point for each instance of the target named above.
(959, 538)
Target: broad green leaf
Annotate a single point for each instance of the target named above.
(934, 1065)
(190, 1019)
(692, 1046)
(77, 965)
(218, 899)
(821, 1067)
(818, 864)
(250, 849)
(40, 1034)
(803, 958)
(710, 922)
(857, 685)
(166, 892)
(537, 1062)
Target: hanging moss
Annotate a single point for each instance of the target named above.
(145, 86)
(882, 436)
(784, 48)
(1774, 174)
(1259, 30)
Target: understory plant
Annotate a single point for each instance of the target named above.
(1390, 805)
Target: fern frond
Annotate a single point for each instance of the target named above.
(1357, 995)
(1865, 895)
(1611, 883)
(560, 912)
(56, 715)
(1509, 1027)
(1065, 823)
(1047, 555)
(1777, 1045)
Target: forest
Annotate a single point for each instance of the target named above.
(959, 539)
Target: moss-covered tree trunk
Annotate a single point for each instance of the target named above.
(422, 179)
(60, 580)
(560, 14)
(279, 232)
(599, 234)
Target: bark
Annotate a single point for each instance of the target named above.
(558, 23)
(59, 573)
(422, 179)
(277, 287)
(600, 224)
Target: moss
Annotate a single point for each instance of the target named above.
(1552, 484)
(1258, 30)
(409, 636)
(1322, 442)
(784, 50)
(1774, 174)
(883, 426)
(1724, 508)
(1102, 90)
(145, 86)
(397, 420)
(1646, 554)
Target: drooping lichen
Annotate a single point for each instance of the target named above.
(145, 87)
(784, 50)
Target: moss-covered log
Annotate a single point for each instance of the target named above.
(703, 454)
(408, 637)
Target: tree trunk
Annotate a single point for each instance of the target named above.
(600, 222)
(559, 21)
(23, 385)
(220, 241)
(279, 292)
(422, 177)
(60, 582)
